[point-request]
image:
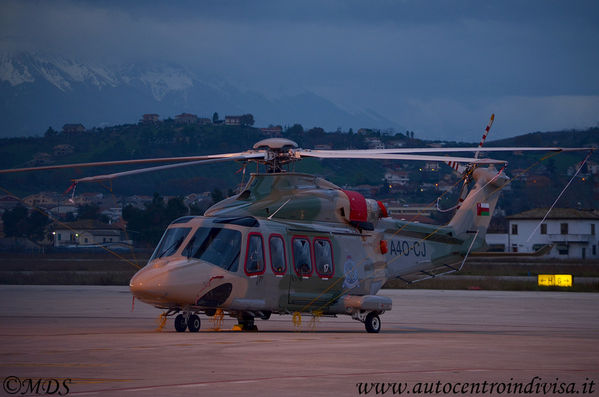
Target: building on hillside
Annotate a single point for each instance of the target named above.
(273, 131)
(233, 120)
(397, 178)
(149, 118)
(71, 128)
(137, 201)
(63, 150)
(374, 143)
(42, 200)
(40, 159)
(572, 232)
(87, 198)
(62, 211)
(186, 118)
(204, 121)
(114, 214)
(8, 202)
(85, 233)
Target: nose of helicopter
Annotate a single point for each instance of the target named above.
(148, 285)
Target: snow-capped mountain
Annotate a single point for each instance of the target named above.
(37, 91)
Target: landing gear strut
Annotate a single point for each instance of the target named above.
(246, 323)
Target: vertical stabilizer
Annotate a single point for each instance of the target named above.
(476, 211)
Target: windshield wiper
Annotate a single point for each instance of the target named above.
(175, 244)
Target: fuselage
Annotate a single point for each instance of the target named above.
(288, 242)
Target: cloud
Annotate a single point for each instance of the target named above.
(465, 56)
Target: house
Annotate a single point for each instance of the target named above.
(233, 120)
(204, 121)
(137, 201)
(273, 131)
(41, 158)
(572, 232)
(61, 211)
(186, 118)
(114, 214)
(88, 198)
(42, 200)
(72, 128)
(149, 118)
(400, 178)
(431, 166)
(85, 233)
(63, 150)
(8, 202)
(374, 143)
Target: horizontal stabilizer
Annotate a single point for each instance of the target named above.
(540, 252)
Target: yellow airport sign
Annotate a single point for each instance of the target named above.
(555, 280)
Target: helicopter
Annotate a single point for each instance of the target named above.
(290, 243)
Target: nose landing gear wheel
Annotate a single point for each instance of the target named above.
(372, 323)
(193, 323)
(180, 323)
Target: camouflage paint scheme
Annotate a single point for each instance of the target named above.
(296, 206)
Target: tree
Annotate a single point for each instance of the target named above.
(89, 211)
(217, 195)
(296, 129)
(19, 222)
(215, 118)
(247, 119)
(316, 131)
(50, 132)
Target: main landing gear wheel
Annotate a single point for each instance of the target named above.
(193, 323)
(372, 323)
(246, 323)
(180, 323)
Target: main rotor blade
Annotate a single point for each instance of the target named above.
(456, 150)
(228, 156)
(342, 154)
(162, 167)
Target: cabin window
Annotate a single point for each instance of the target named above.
(543, 228)
(220, 247)
(564, 228)
(592, 229)
(170, 242)
(302, 260)
(515, 229)
(254, 259)
(323, 257)
(278, 259)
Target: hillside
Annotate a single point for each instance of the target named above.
(536, 182)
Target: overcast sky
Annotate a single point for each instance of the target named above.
(437, 68)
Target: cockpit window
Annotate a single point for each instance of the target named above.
(170, 242)
(221, 247)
